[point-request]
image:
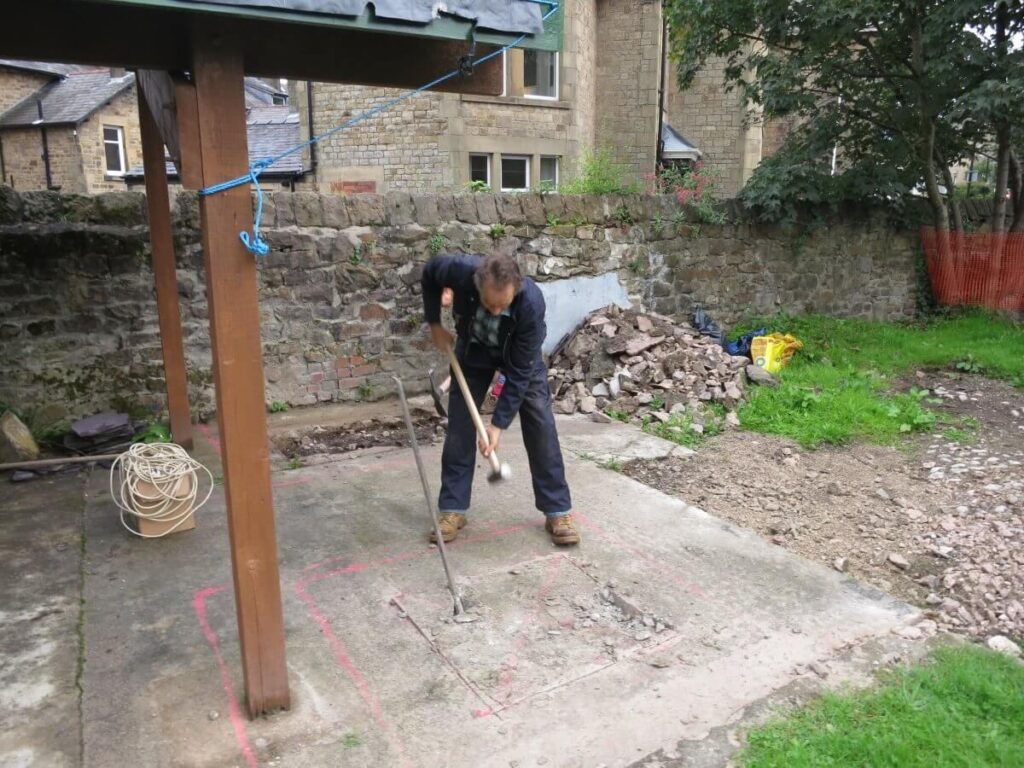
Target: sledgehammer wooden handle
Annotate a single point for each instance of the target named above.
(471, 404)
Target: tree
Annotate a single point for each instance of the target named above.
(900, 90)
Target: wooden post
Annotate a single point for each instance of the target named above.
(238, 367)
(165, 274)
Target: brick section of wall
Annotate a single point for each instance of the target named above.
(23, 159)
(15, 86)
(628, 46)
(339, 293)
(712, 120)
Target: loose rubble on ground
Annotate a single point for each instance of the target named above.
(939, 523)
(643, 365)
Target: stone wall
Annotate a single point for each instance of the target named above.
(23, 158)
(339, 292)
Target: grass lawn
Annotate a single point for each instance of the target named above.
(840, 385)
(964, 707)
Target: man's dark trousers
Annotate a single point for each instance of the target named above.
(458, 460)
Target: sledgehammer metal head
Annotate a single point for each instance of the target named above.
(499, 472)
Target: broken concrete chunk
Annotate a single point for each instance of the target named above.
(760, 376)
(644, 324)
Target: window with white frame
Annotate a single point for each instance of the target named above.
(480, 169)
(530, 74)
(113, 149)
(515, 173)
(540, 74)
(549, 174)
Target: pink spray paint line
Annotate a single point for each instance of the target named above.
(234, 710)
(208, 436)
(354, 673)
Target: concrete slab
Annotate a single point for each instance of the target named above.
(613, 441)
(552, 671)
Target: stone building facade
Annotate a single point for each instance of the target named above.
(609, 94)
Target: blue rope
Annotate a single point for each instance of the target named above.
(256, 244)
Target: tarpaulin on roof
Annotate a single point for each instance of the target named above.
(515, 16)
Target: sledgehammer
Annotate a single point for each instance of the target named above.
(499, 471)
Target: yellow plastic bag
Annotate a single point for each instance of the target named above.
(774, 351)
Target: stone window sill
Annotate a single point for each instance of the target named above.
(518, 101)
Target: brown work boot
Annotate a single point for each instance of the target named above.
(450, 523)
(563, 530)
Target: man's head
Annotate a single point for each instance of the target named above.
(498, 280)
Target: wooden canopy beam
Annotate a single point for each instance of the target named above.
(166, 277)
(238, 368)
(107, 34)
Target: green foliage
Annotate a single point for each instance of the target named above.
(153, 433)
(553, 220)
(478, 186)
(498, 231)
(546, 187)
(365, 390)
(351, 740)
(679, 428)
(294, 462)
(578, 220)
(970, 365)
(435, 243)
(658, 222)
(963, 707)
(876, 96)
(613, 464)
(636, 266)
(623, 216)
(840, 386)
(599, 173)
(617, 415)
(278, 406)
(356, 257)
(694, 187)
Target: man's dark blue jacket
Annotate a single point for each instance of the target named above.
(520, 335)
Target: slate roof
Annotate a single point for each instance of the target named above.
(42, 67)
(270, 131)
(514, 16)
(69, 100)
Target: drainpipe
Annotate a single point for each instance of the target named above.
(46, 146)
(312, 131)
(3, 165)
(661, 90)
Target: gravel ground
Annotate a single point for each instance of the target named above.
(937, 522)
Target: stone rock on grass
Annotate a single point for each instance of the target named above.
(761, 376)
(16, 442)
(1003, 645)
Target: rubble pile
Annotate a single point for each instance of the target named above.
(642, 364)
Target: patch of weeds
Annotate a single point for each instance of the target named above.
(553, 220)
(963, 706)
(356, 258)
(352, 740)
(954, 435)
(279, 406)
(969, 365)
(657, 403)
(579, 220)
(154, 433)
(613, 464)
(435, 243)
(679, 428)
(636, 266)
(478, 186)
(623, 216)
(294, 462)
(218, 479)
(365, 390)
(617, 415)
(498, 231)
(1018, 381)
(546, 187)
(658, 222)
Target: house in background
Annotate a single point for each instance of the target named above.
(76, 129)
(612, 85)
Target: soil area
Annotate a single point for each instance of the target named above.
(371, 433)
(938, 522)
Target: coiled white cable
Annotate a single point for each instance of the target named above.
(157, 482)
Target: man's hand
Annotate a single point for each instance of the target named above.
(493, 438)
(442, 339)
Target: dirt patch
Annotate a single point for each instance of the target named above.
(372, 433)
(939, 522)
